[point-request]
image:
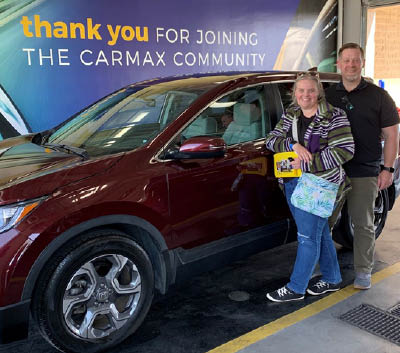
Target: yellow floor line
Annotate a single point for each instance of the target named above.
(299, 315)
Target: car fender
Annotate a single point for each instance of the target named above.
(155, 244)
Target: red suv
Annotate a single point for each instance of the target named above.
(153, 183)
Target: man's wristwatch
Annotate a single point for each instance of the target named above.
(389, 169)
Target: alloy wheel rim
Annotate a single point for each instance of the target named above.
(101, 296)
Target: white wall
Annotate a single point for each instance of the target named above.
(352, 21)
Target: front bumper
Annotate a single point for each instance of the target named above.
(14, 322)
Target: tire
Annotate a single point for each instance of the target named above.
(94, 293)
(343, 232)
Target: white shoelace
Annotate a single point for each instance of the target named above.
(321, 284)
(282, 291)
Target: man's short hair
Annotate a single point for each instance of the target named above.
(351, 46)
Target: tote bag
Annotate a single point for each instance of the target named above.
(312, 193)
(315, 195)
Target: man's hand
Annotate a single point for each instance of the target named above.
(385, 179)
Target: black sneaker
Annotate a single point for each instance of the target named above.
(284, 294)
(322, 287)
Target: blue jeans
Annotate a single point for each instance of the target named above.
(315, 244)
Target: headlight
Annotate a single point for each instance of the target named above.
(10, 215)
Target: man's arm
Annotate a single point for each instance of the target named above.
(390, 152)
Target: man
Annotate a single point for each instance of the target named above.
(373, 117)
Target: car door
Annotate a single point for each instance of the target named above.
(218, 197)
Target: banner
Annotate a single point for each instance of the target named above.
(57, 56)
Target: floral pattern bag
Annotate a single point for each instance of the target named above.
(315, 195)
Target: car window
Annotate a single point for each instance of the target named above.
(175, 103)
(126, 119)
(285, 90)
(239, 116)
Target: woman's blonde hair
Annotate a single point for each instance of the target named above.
(311, 76)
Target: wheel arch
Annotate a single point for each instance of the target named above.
(143, 232)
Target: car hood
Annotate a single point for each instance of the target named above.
(28, 171)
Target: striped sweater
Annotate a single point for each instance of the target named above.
(328, 138)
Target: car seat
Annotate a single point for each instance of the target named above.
(202, 126)
(246, 124)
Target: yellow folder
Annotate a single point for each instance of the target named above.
(282, 167)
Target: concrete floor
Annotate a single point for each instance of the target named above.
(325, 332)
(201, 315)
(317, 327)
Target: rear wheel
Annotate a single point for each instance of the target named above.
(95, 293)
(343, 232)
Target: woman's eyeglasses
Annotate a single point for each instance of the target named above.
(347, 103)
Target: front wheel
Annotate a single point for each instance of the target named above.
(343, 232)
(95, 293)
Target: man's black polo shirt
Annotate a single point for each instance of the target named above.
(369, 108)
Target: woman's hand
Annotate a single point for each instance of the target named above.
(302, 153)
(296, 163)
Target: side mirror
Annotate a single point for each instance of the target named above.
(200, 147)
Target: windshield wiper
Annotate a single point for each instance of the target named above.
(69, 149)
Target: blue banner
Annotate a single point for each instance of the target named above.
(57, 56)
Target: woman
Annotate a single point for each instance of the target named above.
(324, 143)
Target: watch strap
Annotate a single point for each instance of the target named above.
(389, 169)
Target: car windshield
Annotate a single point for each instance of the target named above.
(129, 118)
